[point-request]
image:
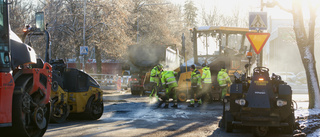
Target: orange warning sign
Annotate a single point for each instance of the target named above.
(258, 40)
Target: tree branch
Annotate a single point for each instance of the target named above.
(283, 8)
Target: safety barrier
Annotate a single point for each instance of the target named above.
(111, 80)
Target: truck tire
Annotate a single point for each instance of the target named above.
(28, 119)
(260, 131)
(60, 111)
(94, 109)
(135, 92)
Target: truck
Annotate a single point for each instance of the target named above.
(142, 58)
(216, 46)
(25, 84)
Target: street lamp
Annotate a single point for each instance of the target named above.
(138, 18)
(267, 5)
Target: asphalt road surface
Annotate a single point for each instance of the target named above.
(127, 115)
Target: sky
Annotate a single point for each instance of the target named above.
(227, 6)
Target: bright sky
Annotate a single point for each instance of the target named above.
(245, 6)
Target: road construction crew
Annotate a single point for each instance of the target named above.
(155, 80)
(224, 80)
(169, 81)
(207, 83)
(195, 85)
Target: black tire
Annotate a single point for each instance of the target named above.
(260, 131)
(134, 92)
(59, 112)
(228, 122)
(291, 121)
(94, 109)
(23, 113)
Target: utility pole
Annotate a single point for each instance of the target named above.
(84, 32)
(183, 38)
(260, 57)
(268, 5)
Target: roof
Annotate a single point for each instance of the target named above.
(235, 30)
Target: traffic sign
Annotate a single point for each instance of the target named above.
(258, 40)
(257, 20)
(84, 50)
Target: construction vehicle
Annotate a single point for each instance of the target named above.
(74, 92)
(217, 47)
(260, 102)
(25, 85)
(142, 58)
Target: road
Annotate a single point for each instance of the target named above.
(127, 115)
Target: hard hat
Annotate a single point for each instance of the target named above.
(160, 66)
(204, 64)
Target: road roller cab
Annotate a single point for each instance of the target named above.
(74, 92)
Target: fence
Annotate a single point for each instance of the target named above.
(110, 80)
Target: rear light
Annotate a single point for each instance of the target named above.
(130, 79)
(241, 102)
(135, 79)
(281, 102)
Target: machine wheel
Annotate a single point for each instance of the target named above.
(291, 121)
(260, 131)
(182, 97)
(60, 111)
(228, 122)
(134, 92)
(94, 109)
(28, 117)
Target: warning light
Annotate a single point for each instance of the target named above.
(24, 29)
(261, 79)
(249, 55)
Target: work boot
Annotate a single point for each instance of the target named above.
(191, 105)
(166, 106)
(175, 106)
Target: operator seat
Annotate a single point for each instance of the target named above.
(260, 92)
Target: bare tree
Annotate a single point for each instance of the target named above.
(305, 42)
(19, 15)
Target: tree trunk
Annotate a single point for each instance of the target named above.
(78, 65)
(98, 59)
(306, 49)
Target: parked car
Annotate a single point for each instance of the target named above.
(301, 77)
(287, 76)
